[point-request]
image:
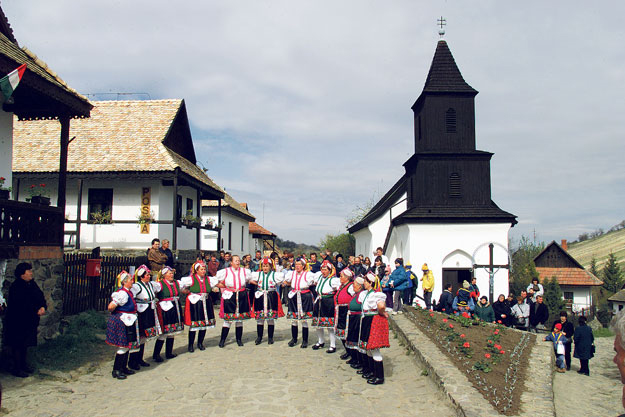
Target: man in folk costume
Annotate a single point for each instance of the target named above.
(235, 301)
(342, 298)
(300, 299)
(122, 328)
(352, 335)
(323, 309)
(267, 305)
(169, 311)
(144, 290)
(199, 314)
(373, 330)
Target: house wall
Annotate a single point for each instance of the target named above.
(209, 238)
(582, 296)
(617, 306)
(6, 147)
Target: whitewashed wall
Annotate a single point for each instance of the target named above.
(209, 238)
(582, 296)
(6, 147)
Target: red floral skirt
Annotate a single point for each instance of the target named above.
(377, 333)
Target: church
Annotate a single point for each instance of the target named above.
(440, 212)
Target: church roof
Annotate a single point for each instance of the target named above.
(460, 214)
(444, 75)
(381, 206)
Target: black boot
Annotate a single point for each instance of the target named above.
(158, 345)
(259, 333)
(378, 377)
(270, 329)
(224, 334)
(357, 360)
(364, 371)
(16, 368)
(200, 339)
(169, 348)
(191, 341)
(117, 366)
(293, 340)
(133, 361)
(239, 334)
(304, 338)
(345, 355)
(140, 360)
(126, 361)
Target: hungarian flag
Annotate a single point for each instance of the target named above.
(9, 83)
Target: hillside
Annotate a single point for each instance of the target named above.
(600, 247)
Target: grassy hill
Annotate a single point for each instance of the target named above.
(600, 247)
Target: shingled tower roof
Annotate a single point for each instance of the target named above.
(444, 75)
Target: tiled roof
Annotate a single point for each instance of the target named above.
(619, 296)
(119, 136)
(228, 201)
(569, 276)
(257, 229)
(444, 75)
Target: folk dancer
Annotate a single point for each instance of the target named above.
(373, 330)
(352, 325)
(235, 302)
(169, 312)
(199, 314)
(267, 305)
(300, 300)
(323, 308)
(342, 298)
(122, 328)
(144, 291)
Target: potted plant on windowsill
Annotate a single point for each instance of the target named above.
(101, 217)
(146, 218)
(210, 223)
(39, 194)
(189, 219)
(5, 193)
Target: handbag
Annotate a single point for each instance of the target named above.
(560, 348)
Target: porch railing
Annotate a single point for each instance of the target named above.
(26, 224)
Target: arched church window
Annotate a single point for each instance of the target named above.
(455, 189)
(450, 121)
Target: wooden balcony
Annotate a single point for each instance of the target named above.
(26, 224)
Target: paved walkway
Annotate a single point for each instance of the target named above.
(295, 382)
(588, 396)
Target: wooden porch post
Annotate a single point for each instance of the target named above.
(174, 239)
(219, 224)
(79, 213)
(60, 203)
(199, 214)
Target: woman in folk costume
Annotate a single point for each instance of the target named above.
(169, 312)
(373, 330)
(144, 291)
(198, 312)
(352, 325)
(122, 328)
(235, 301)
(342, 298)
(267, 305)
(323, 309)
(300, 299)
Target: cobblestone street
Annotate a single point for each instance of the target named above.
(235, 381)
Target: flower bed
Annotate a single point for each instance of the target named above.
(492, 357)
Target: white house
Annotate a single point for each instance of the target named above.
(261, 239)
(618, 301)
(234, 235)
(130, 158)
(440, 211)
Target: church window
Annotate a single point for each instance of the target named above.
(454, 185)
(450, 121)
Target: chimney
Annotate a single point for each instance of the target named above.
(564, 245)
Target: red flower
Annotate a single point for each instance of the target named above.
(466, 315)
(444, 320)
(496, 331)
(2, 178)
(431, 314)
(462, 336)
(466, 345)
(502, 352)
(42, 185)
(499, 321)
(32, 186)
(490, 342)
(443, 310)
(487, 355)
(497, 346)
(451, 326)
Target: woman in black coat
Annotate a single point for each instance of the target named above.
(584, 340)
(25, 305)
(502, 311)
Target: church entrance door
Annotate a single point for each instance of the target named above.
(455, 276)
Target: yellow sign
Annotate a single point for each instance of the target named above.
(145, 209)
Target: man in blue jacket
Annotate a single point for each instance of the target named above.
(398, 281)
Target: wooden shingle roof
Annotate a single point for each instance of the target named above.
(230, 202)
(444, 75)
(119, 136)
(619, 296)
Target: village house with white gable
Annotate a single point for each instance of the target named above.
(440, 212)
(131, 175)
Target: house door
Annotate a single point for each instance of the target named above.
(455, 276)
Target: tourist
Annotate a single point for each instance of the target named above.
(199, 314)
(475, 290)
(267, 304)
(169, 309)
(156, 258)
(536, 287)
(342, 298)
(367, 264)
(122, 328)
(511, 300)
(323, 309)
(379, 252)
(503, 312)
(411, 290)
(618, 328)
(531, 296)
(373, 330)
(221, 259)
(358, 268)
(340, 264)
(539, 314)
(300, 300)
(170, 256)
(212, 266)
(445, 303)
(584, 345)
(383, 275)
(352, 334)
(464, 294)
(398, 281)
(527, 299)
(144, 291)
(227, 260)
(255, 263)
(484, 311)
(235, 302)
(521, 311)
(558, 339)
(314, 264)
(568, 329)
(26, 304)
(463, 309)
(428, 285)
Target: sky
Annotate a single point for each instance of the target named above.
(302, 108)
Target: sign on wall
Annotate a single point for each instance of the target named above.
(145, 209)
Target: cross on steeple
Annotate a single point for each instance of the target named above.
(442, 23)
